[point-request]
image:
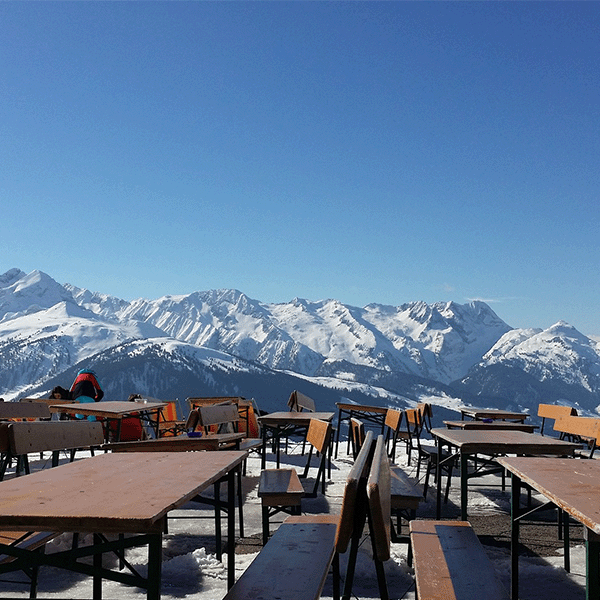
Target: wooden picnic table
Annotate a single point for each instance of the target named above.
(493, 426)
(23, 410)
(366, 413)
(149, 412)
(284, 423)
(468, 443)
(573, 485)
(494, 414)
(119, 493)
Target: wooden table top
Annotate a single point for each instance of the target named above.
(492, 413)
(114, 492)
(114, 409)
(361, 408)
(294, 418)
(24, 410)
(472, 441)
(494, 425)
(48, 401)
(179, 443)
(572, 484)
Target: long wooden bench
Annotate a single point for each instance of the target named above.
(451, 563)
(294, 563)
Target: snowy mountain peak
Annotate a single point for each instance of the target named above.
(26, 293)
(47, 329)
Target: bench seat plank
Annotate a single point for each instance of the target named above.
(293, 564)
(280, 486)
(406, 493)
(451, 564)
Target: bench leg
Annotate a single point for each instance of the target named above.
(265, 524)
(336, 576)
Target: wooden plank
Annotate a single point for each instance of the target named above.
(25, 410)
(180, 443)
(555, 411)
(217, 414)
(280, 487)
(39, 436)
(357, 473)
(301, 403)
(494, 425)
(292, 565)
(379, 495)
(405, 492)
(504, 442)
(451, 564)
(586, 427)
(319, 433)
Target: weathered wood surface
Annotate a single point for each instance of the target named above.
(503, 442)
(492, 413)
(355, 478)
(40, 436)
(280, 487)
(217, 414)
(300, 402)
(405, 492)
(379, 495)
(293, 564)
(586, 427)
(46, 401)
(107, 410)
(113, 492)
(361, 408)
(571, 484)
(494, 425)
(554, 411)
(294, 418)
(451, 564)
(24, 410)
(180, 443)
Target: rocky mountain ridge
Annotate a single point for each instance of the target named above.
(417, 349)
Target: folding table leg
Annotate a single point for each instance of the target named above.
(154, 567)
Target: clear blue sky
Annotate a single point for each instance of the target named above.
(364, 151)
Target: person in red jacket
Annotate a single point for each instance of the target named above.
(86, 388)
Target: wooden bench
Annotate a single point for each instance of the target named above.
(554, 411)
(294, 563)
(281, 490)
(580, 429)
(451, 564)
(23, 438)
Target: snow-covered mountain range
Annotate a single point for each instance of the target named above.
(221, 342)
